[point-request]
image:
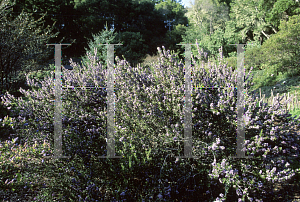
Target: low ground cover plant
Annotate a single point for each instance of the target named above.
(149, 120)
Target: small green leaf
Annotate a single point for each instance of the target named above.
(18, 176)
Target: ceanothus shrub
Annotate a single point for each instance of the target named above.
(270, 138)
(35, 115)
(149, 114)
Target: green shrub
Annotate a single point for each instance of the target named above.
(149, 134)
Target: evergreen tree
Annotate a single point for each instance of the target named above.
(104, 37)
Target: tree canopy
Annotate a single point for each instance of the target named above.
(149, 24)
(282, 49)
(216, 23)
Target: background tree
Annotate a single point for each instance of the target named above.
(235, 21)
(67, 21)
(92, 17)
(254, 21)
(106, 36)
(282, 9)
(78, 21)
(227, 2)
(207, 21)
(282, 49)
(22, 45)
(175, 37)
(134, 49)
(176, 21)
(144, 22)
(250, 18)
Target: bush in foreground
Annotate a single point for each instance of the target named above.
(149, 134)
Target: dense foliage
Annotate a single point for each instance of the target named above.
(216, 24)
(149, 104)
(106, 36)
(145, 25)
(22, 45)
(149, 134)
(282, 49)
(78, 21)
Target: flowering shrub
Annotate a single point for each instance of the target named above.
(149, 120)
